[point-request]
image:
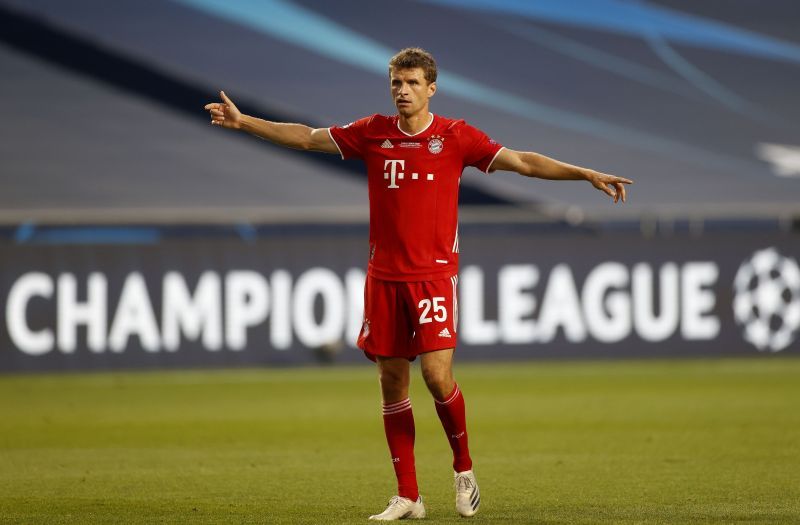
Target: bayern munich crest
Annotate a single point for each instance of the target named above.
(436, 144)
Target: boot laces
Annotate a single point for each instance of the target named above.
(463, 484)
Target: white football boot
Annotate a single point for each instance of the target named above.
(468, 497)
(401, 509)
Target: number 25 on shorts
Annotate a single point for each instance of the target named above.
(439, 311)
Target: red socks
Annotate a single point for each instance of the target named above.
(452, 414)
(398, 422)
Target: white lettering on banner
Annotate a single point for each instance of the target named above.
(698, 300)
(187, 315)
(561, 307)
(321, 307)
(649, 326)
(281, 321)
(324, 283)
(475, 330)
(30, 285)
(246, 304)
(515, 306)
(134, 316)
(72, 313)
(247, 301)
(613, 303)
(606, 306)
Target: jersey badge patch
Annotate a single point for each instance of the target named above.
(387, 144)
(435, 144)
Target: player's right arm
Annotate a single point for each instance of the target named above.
(297, 136)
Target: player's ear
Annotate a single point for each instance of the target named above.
(431, 89)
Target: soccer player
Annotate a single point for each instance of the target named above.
(414, 161)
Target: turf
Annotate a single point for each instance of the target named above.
(699, 441)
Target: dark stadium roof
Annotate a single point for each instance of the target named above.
(695, 101)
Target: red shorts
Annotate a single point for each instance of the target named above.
(405, 319)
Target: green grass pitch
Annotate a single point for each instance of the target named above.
(682, 441)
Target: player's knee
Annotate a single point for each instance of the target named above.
(393, 380)
(390, 378)
(439, 381)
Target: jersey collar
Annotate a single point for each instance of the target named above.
(418, 132)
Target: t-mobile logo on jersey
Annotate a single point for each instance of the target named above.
(393, 175)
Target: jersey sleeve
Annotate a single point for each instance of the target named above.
(350, 138)
(477, 148)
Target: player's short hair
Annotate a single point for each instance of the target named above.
(412, 57)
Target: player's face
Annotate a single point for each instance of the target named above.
(410, 90)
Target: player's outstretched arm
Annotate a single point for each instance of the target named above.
(535, 165)
(298, 136)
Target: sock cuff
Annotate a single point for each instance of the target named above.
(394, 408)
(452, 397)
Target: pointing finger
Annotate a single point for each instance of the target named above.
(613, 179)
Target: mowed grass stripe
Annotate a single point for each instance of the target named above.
(684, 441)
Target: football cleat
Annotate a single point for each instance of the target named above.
(468, 497)
(401, 509)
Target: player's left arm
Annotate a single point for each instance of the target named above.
(532, 164)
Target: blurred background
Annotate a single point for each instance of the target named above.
(133, 234)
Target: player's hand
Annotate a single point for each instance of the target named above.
(224, 114)
(611, 185)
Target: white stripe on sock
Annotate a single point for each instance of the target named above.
(397, 403)
(390, 412)
(449, 399)
(394, 408)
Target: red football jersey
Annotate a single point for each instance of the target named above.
(413, 191)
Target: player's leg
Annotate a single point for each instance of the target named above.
(435, 338)
(437, 370)
(398, 422)
(385, 338)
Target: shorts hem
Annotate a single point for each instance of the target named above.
(374, 357)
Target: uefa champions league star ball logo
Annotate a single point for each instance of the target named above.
(766, 301)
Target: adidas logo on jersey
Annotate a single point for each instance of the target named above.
(444, 333)
(387, 144)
